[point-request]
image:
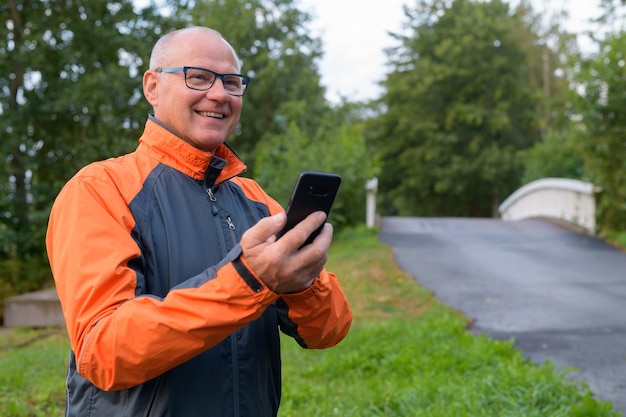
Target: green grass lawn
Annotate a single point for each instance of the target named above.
(32, 372)
(407, 354)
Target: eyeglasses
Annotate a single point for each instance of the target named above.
(202, 79)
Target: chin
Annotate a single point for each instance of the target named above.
(209, 145)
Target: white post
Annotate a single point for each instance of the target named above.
(370, 209)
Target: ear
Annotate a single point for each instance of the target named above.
(150, 84)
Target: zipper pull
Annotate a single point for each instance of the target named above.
(231, 225)
(213, 200)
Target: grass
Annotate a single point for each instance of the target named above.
(617, 239)
(32, 380)
(407, 354)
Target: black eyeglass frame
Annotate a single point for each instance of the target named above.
(217, 75)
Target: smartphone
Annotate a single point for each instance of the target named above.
(314, 191)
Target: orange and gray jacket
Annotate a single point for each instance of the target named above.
(163, 314)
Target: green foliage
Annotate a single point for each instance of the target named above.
(619, 238)
(335, 147)
(70, 93)
(558, 156)
(602, 102)
(460, 104)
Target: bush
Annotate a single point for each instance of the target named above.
(342, 150)
(557, 156)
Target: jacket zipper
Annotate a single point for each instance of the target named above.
(215, 211)
(232, 337)
(212, 199)
(232, 228)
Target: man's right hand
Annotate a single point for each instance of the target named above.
(278, 262)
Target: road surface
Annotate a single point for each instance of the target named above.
(560, 294)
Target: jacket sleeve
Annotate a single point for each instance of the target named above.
(120, 339)
(318, 317)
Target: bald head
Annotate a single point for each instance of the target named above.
(171, 41)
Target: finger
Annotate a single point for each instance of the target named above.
(264, 230)
(301, 232)
(325, 237)
(320, 245)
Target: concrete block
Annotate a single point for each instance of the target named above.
(36, 309)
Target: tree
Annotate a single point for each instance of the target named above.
(602, 106)
(549, 50)
(338, 145)
(272, 40)
(553, 54)
(612, 18)
(70, 88)
(459, 106)
(558, 155)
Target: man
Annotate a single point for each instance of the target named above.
(171, 309)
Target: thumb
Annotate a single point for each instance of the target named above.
(264, 230)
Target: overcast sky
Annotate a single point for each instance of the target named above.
(354, 33)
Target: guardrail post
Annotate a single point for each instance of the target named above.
(370, 207)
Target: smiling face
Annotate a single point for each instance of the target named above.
(203, 119)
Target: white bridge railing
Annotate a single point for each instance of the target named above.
(560, 198)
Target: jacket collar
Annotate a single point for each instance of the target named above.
(162, 144)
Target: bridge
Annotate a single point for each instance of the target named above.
(563, 199)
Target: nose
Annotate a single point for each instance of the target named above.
(217, 91)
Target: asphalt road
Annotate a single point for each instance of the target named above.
(560, 294)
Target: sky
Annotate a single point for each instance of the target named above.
(354, 33)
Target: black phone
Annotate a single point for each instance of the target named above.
(314, 191)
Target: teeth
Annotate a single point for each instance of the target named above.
(211, 114)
